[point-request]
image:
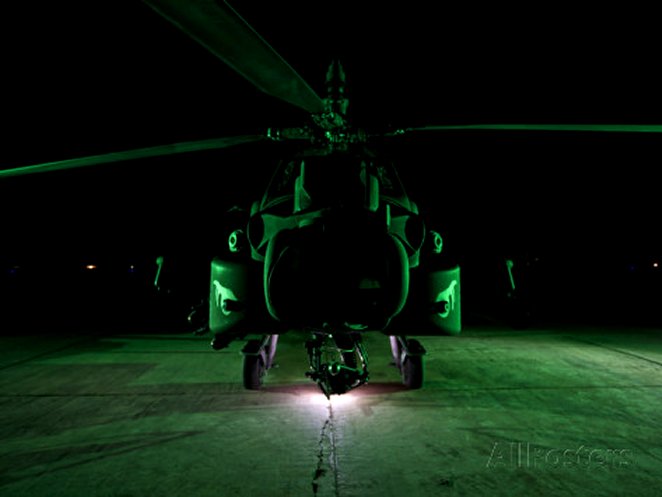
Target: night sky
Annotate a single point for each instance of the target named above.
(82, 78)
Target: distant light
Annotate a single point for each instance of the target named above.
(655, 264)
(132, 268)
(90, 266)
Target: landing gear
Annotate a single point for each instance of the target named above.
(338, 361)
(412, 372)
(254, 371)
(258, 358)
(408, 358)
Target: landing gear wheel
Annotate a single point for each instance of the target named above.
(412, 372)
(253, 372)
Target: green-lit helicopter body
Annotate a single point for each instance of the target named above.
(335, 247)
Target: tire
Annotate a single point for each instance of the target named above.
(412, 372)
(253, 372)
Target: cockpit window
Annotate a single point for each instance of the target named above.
(332, 180)
(389, 182)
(281, 186)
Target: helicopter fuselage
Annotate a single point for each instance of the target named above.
(333, 244)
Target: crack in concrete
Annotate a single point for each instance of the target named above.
(329, 464)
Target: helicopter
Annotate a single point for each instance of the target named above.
(335, 246)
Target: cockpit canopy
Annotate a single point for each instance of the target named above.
(316, 181)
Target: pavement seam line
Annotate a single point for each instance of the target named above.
(47, 353)
(614, 349)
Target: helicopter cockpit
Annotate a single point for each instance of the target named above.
(312, 181)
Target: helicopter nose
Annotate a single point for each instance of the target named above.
(316, 275)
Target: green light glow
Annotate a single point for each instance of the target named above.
(141, 153)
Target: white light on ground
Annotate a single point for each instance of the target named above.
(319, 399)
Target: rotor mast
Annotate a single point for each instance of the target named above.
(335, 102)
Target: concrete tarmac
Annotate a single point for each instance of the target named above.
(566, 411)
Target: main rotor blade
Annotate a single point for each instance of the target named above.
(222, 31)
(140, 153)
(599, 128)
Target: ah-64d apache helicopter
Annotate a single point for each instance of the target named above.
(335, 246)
